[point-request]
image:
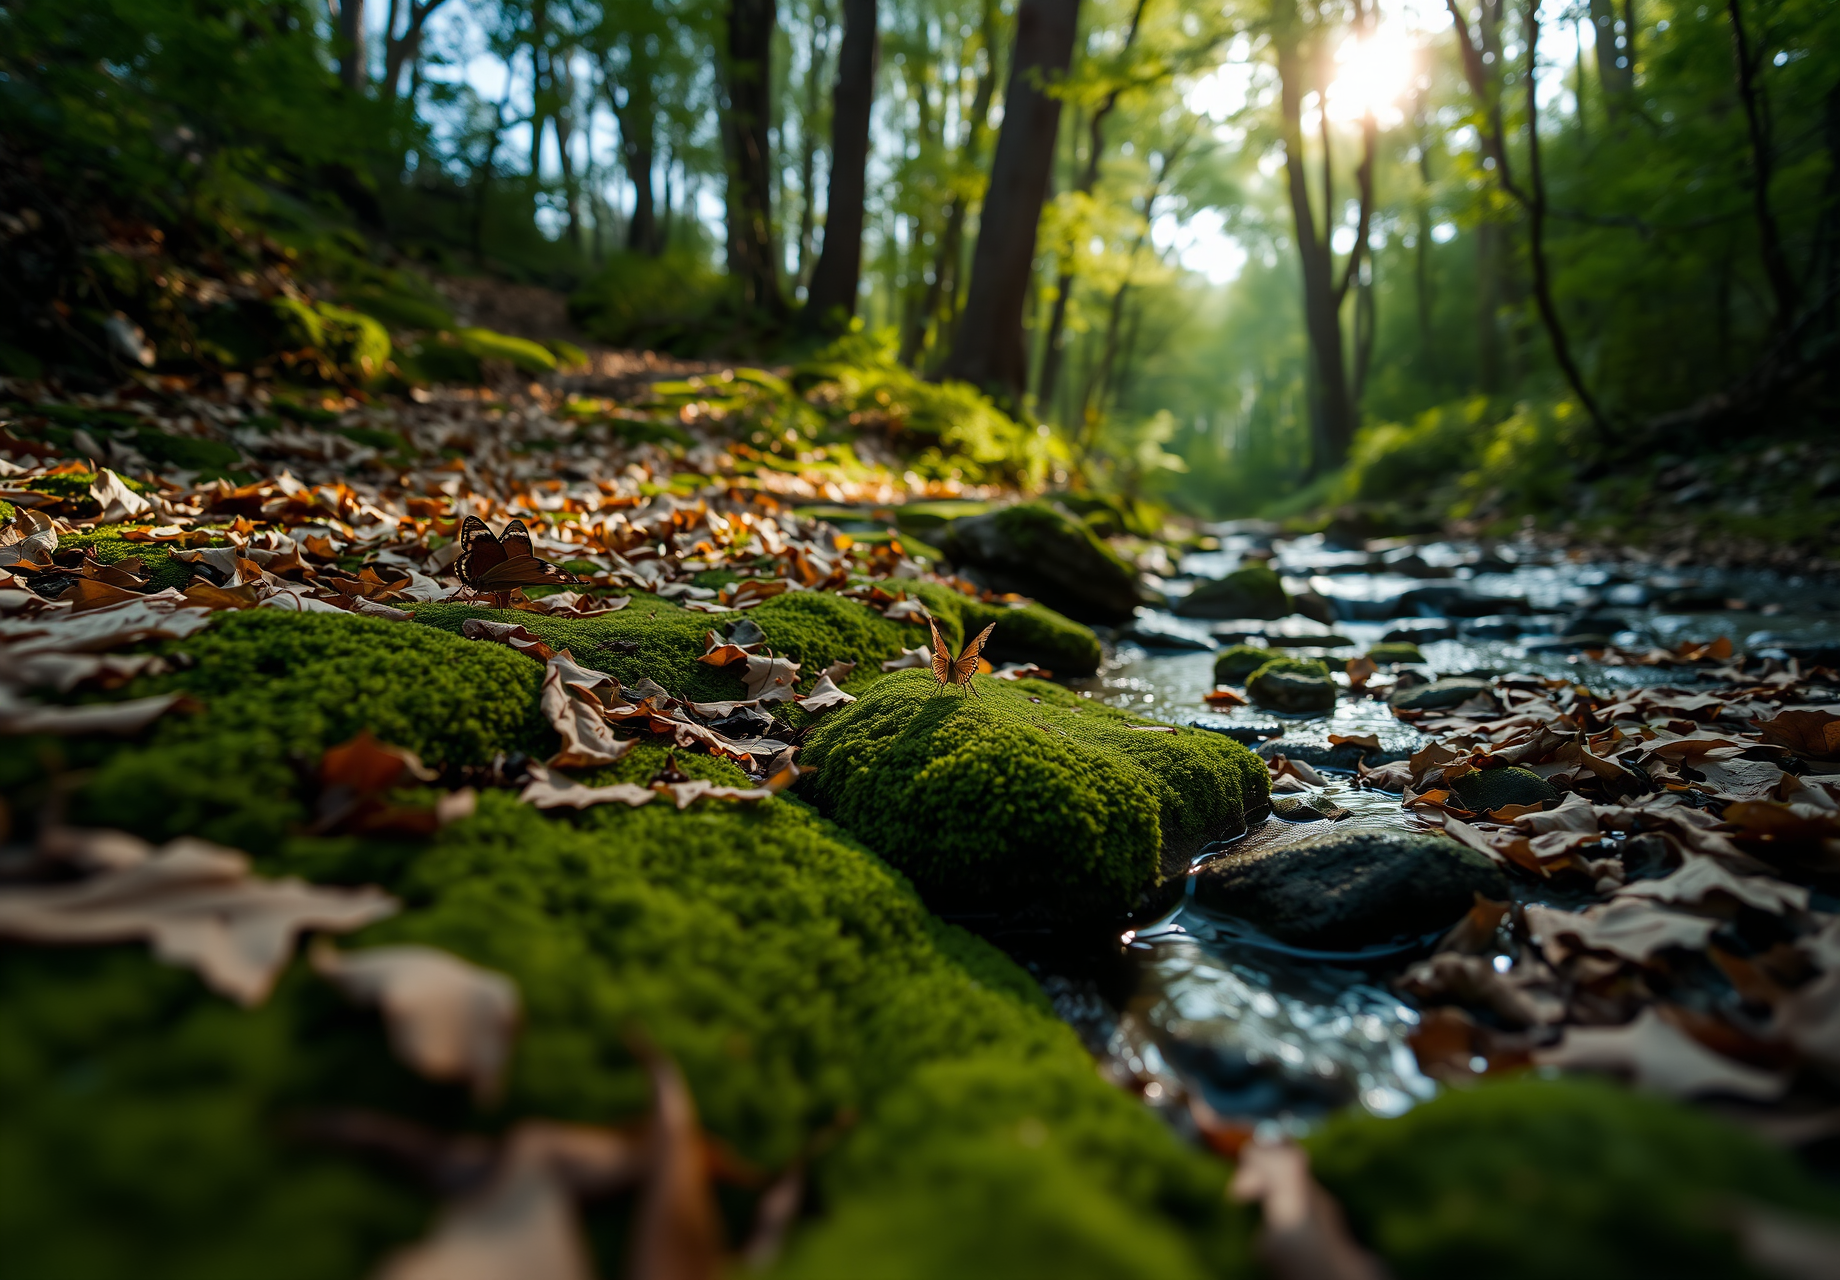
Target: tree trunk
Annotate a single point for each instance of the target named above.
(1616, 70)
(351, 43)
(816, 50)
(830, 302)
(942, 292)
(1756, 118)
(751, 260)
(638, 121)
(988, 350)
(398, 50)
(1333, 420)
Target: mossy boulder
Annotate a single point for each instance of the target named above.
(525, 355)
(1531, 1178)
(1025, 798)
(1252, 592)
(1439, 695)
(1346, 890)
(1293, 686)
(1395, 653)
(1238, 661)
(795, 977)
(1037, 550)
(1484, 790)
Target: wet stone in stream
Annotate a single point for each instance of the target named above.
(1345, 890)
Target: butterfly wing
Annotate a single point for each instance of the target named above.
(480, 550)
(942, 656)
(522, 571)
(516, 540)
(966, 665)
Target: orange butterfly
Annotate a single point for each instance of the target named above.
(502, 562)
(949, 670)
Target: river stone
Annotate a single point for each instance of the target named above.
(1038, 551)
(1296, 688)
(1252, 592)
(1439, 695)
(1238, 661)
(1345, 890)
(1395, 652)
(1317, 751)
(1485, 790)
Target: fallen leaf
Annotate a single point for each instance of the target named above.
(1739, 779)
(1808, 733)
(824, 695)
(1305, 1236)
(1632, 928)
(92, 593)
(1369, 741)
(119, 502)
(1360, 671)
(770, 679)
(907, 611)
(31, 538)
(513, 634)
(1786, 1246)
(920, 657)
(163, 615)
(838, 671)
(1472, 980)
(1659, 1056)
(120, 718)
(1012, 671)
(678, 1234)
(549, 790)
(575, 700)
(1574, 813)
(1221, 696)
(199, 907)
(448, 1019)
(1699, 877)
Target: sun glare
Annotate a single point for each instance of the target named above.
(1372, 74)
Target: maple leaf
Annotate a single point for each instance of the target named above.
(198, 906)
(1659, 1056)
(447, 1019)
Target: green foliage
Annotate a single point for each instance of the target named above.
(1026, 795)
(1539, 1178)
(639, 300)
(528, 356)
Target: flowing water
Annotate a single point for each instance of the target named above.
(1194, 1003)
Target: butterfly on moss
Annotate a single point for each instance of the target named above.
(949, 670)
(502, 562)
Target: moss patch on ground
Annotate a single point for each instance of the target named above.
(1027, 795)
(157, 565)
(1536, 1178)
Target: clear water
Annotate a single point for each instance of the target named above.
(1263, 1033)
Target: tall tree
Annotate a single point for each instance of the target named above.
(351, 43)
(401, 50)
(831, 300)
(988, 349)
(1763, 161)
(752, 261)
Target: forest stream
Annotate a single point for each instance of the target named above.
(1197, 1003)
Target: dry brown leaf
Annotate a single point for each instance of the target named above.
(1221, 696)
(770, 679)
(207, 596)
(1699, 877)
(31, 538)
(160, 616)
(548, 790)
(448, 1019)
(913, 610)
(920, 657)
(1396, 776)
(93, 593)
(1659, 1056)
(1472, 980)
(1018, 671)
(67, 671)
(1574, 813)
(1788, 1247)
(199, 907)
(513, 634)
(1305, 1236)
(575, 700)
(678, 1235)
(1369, 741)
(1739, 779)
(1632, 928)
(119, 502)
(120, 718)
(1808, 733)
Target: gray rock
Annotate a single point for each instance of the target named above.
(1159, 631)
(1291, 692)
(1252, 592)
(1439, 695)
(1036, 550)
(1345, 890)
(1419, 632)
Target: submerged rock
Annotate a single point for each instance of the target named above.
(1396, 651)
(1317, 751)
(1252, 592)
(1035, 550)
(1292, 686)
(1028, 799)
(1439, 695)
(1345, 890)
(1484, 790)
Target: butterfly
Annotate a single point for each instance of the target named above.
(502, 562)
(949, 670)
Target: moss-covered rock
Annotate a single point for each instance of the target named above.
(795, 977)
(1036, 550)
(1294, 686)
(1028, 797)
(1252, 592)
(1539, 1178)
(1238, 661)
(1396, 652)
(1487, 789)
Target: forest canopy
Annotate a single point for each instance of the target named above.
(1217, 253)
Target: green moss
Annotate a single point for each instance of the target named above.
(1395, 652)
(1314, 668)
(1534, 1178)
(106, 544)
(1297, 686)
(1238, 661)
(1487, 789)
(528, 356)
(277, 689)
(7, 511)
(1025, 796)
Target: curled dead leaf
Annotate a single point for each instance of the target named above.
(1305, 1236)
(1659, 1056)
